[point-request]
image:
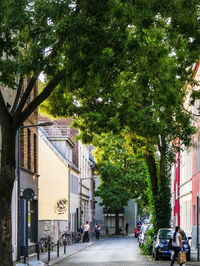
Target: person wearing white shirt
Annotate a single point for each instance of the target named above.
(176, 244)
(86, 229)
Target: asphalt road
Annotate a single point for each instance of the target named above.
(112, 251)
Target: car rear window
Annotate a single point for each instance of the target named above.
(165, 234)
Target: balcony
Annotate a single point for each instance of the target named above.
(58, 132)
(109, 212)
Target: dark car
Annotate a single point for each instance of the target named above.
(161, 240)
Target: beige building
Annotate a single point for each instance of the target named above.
(75, 173)
(56, 168)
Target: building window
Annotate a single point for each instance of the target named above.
(193, 215)
(73, 184)
(29, 149)
(35, 152)
(197, 157)
(176, 190)
(22, 147)
(193, 166)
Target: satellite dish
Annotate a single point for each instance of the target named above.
(28, 194)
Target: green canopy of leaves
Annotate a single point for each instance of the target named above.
(122, 173)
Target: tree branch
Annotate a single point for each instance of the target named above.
(17, 95)
(40, 98)
(3, 109)
(34, 79)
(189, 111)
(25, 96)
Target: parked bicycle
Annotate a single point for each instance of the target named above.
(76, 237)
(44, 243)
(66, 238)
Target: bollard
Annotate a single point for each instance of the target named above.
(64, 242)
(38, 251)
(24, 254)
(49, 250)
(58, 248)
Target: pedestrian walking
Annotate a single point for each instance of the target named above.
(86, 229)
(126, 228)
(97, 231)
(176, 244)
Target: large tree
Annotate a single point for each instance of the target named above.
(122, 174)
(145, 92)
(62, 39)
(82, 46)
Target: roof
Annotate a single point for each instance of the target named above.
(44, 135)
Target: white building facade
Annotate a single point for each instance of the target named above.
(186, 191)
(85, 182)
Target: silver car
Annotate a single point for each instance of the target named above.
(142, 234)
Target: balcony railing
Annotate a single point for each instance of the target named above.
(109, 211)
(58, 132)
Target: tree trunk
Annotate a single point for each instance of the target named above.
(164, 188)
(7, 177)
(151, 163)
(153, 188)
(160, 190)
(117, 231)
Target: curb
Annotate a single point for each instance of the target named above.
(57, 260)
(62, 259)
(76, 252)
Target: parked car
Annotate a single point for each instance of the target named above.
(161, 240)
(142, 234)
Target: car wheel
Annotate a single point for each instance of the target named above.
(156, 256)
(188, 256)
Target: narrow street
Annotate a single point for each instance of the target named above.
(112, 251)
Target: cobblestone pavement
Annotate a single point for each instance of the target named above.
(113, 251)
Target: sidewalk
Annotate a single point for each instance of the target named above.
(70, 250)
(194, 255)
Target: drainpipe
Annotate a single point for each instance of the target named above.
(198, 244)
(18, 194)
(69, 220)
(81, 202)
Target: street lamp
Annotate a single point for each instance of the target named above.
(19, 181)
